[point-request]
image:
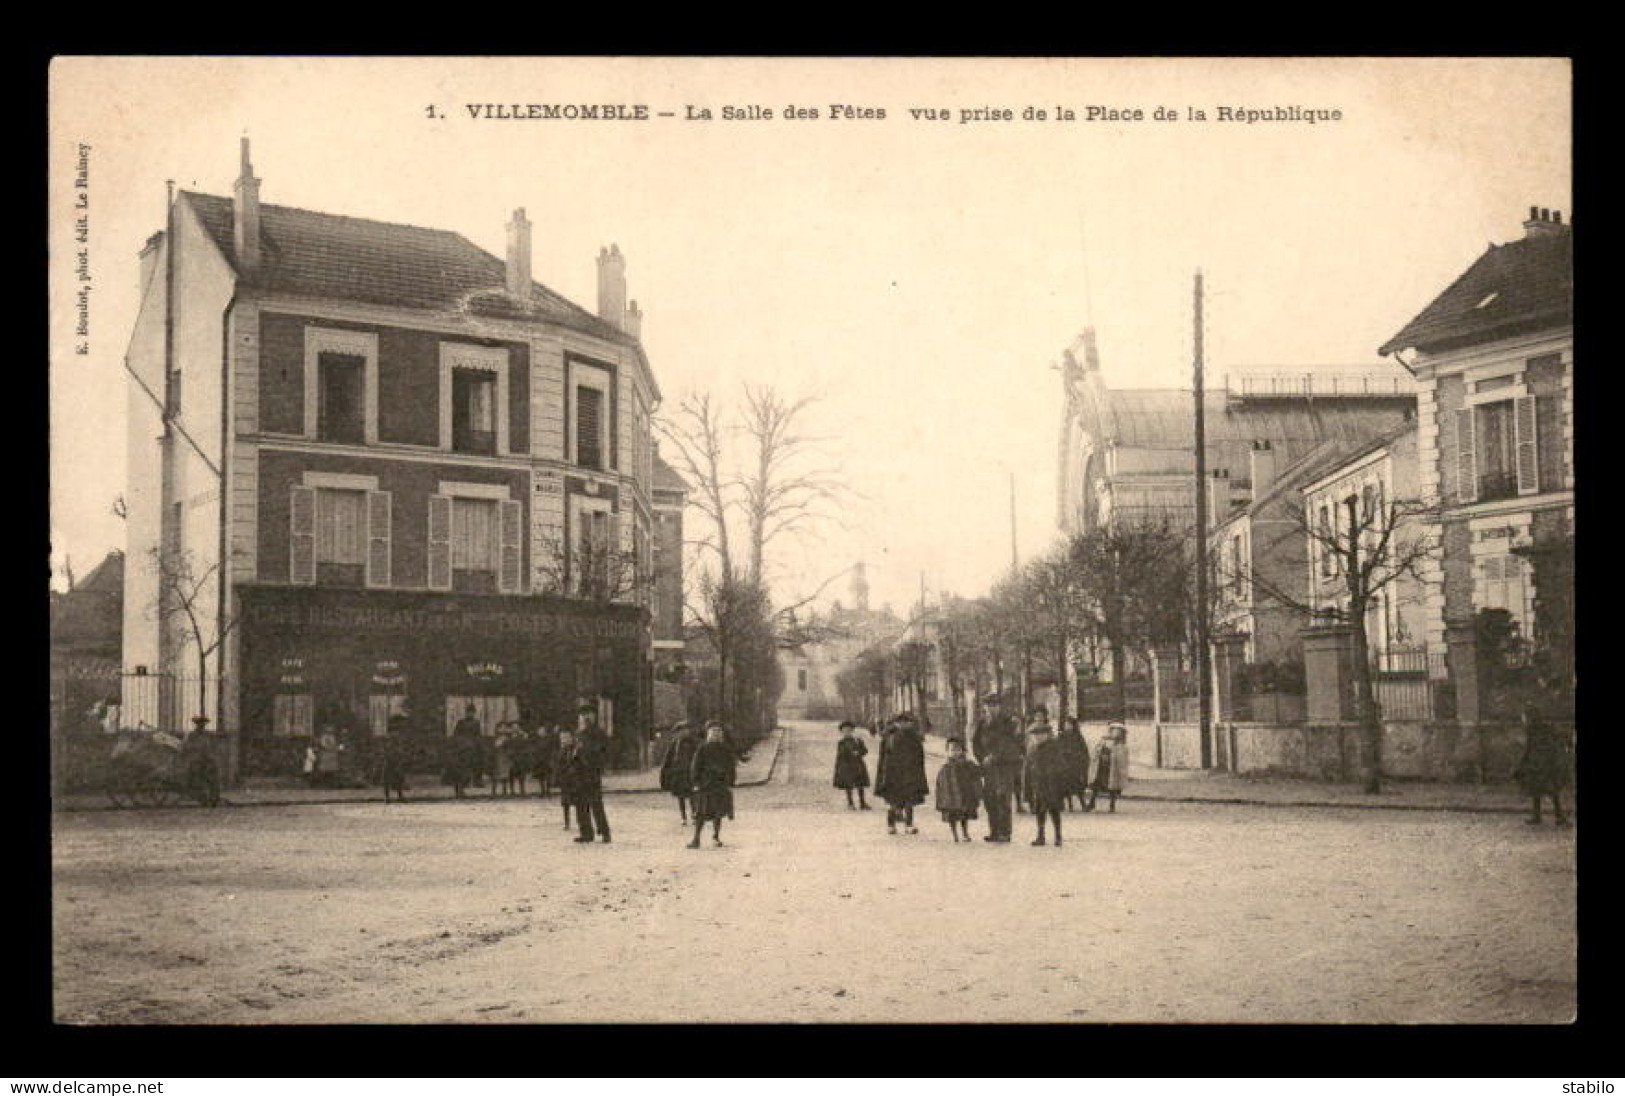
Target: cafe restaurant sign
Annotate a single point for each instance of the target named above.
(305, 617)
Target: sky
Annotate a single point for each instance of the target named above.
(920, 277)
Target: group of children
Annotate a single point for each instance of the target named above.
(700, 773)
(1054, 771)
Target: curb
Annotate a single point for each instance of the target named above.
(225, 799)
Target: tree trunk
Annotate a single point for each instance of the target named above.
(1119, 685)
(1365, 708)
(1062, 709)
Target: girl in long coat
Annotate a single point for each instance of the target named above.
(900, 776)
(712, 779)
(1544, 769)
(676, 769)
(1111, 766)
(959, 789)
(1045, 780)
(1076, 753)
(851, 771)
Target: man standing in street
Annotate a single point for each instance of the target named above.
(586, 764)
(998, 750)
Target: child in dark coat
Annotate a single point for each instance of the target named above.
(712, 780)
(959, 789)
(1045, 780)
(851, 771)
(676, 769)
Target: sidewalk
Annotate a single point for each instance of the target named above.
(268, 791)
(1198, 786)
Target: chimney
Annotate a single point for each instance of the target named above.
(1263, 467)
(1544, 222)
(1091, 357)
(519, 283)
(149, 256)
(633, 324)
(245, 215)
(612, 285)
(1218, 497)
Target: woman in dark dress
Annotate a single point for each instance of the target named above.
(900, 777)
(712, 779)
(1544, 770)
(851, 771)
(1075, 751)
(679, 764)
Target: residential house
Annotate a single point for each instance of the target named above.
(398, 470)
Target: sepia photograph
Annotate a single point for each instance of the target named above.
(672, 540)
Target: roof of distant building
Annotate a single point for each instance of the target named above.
(325, 255)
(1513, 287)
(668, 478)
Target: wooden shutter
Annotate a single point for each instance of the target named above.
(439, 542)
(379, 555)
(511, 518)
(302, 536)
(1528, 457)
(1466, 457)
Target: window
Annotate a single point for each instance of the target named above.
(340, 537)
(1501, 585)
(589, 427)
(1327, 557)
(473, 411)
(592, 553)
(801, 680)
(475, 545)
(1497, 451)
(341, 402)
(1238, 567)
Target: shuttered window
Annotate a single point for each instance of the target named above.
(380, 562)
(302, 536)
(439, 542)
(338, 526)
(1466, 457)
(589, 427)
(512, 521)
(1528, 456)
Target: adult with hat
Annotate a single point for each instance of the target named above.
(900, 775)
(997, 746)
(586, 764)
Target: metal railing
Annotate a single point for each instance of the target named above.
(1319, 384)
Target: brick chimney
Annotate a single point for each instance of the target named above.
(612, 286)
(1263, 467)
(245, 216)
(1091, 356)
(519, 283)
(1218, 496)
(1544, 222)
(633, 323)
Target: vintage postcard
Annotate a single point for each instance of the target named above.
(546, 540)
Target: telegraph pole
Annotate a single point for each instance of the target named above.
(1013, 560)
(1204, 697)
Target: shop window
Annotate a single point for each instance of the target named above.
(489, 710)
(341, 406)
(473, 411)
(291, 715)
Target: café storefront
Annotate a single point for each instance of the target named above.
(345, 660)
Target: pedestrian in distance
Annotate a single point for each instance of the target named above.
(1111, 767)
(1075, 751)
(547, 759)
(959, 789)
(463, 752)
(1543, 771)
(712, 779)
(567, 775)
(678, 766)
(1045, 780)
(851, 771)
(392, 759)
(587, 759)
(521, 756)
(900, 775)
(501, 760)
(998, 749)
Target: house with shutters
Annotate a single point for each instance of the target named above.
(397, 470)
(1493, 355)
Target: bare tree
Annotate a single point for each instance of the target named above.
(1367, 544)
(696, 435)
(788, 487)
(186, 595)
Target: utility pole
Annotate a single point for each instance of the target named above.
(1204, 696)
(1013, 560)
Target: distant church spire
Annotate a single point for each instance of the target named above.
(860, 588)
